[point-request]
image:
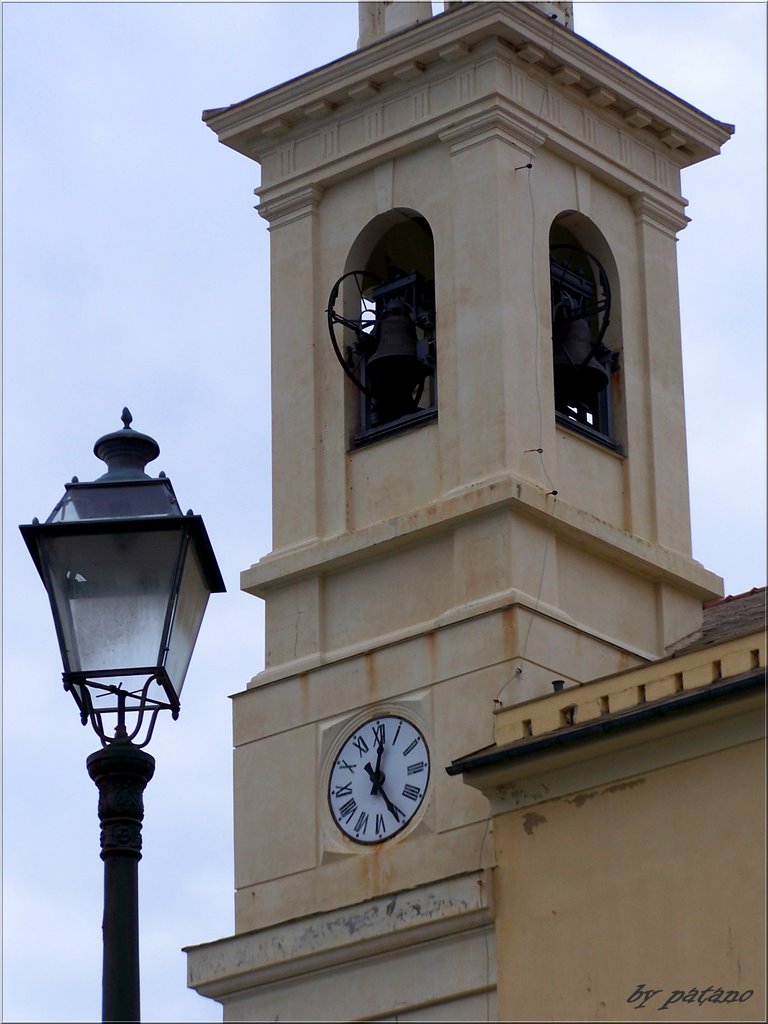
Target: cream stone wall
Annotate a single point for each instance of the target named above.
(656, 881)
(427, 954)
(460, 566)
(633, 858)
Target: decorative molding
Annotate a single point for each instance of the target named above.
(591, 136)
(490, 125)
(664, 216)
(500, 602)
(665, 173)
(672, 139)
(566, 76)
(626, 149)
(329, 142)
(287, 160)
(465, 79)
(602, 97)
(420, 102)
(386, 925)
(292, 207)
(363, 91)
(530, 54)
(425, 97)
(121, 773)
(316, 111)
(277, 128)
(440, 43)
(637, 118)
(375, 124)
(408, 72)
(454, 51)
(481, 497)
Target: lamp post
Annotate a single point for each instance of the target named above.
(128, 576)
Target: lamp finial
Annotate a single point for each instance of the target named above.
(126, 452)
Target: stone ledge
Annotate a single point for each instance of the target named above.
(319, 941)
(331, 554)
(492, 604)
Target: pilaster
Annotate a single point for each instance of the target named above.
(296, 297)
(656, 225)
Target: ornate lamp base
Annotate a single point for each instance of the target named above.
(121, 771)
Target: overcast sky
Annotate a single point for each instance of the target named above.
(136, 273)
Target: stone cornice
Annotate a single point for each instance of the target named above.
(561, 59)
(291, 207)
(384, 925)
(496, 123)
(650, 210)
(574, 525)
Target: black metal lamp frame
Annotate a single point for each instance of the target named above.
(121, 769)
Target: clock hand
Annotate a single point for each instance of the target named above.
(394, 811)
(378, 778)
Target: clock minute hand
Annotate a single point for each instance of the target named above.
(394, 811)
(378, 781)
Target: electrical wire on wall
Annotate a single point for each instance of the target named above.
(539, 448)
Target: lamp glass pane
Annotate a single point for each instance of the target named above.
(188, 616)
(111, 592)
(133, 499)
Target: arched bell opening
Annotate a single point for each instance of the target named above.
(382, 324)
(586, 330)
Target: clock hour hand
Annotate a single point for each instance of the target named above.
(376, 776)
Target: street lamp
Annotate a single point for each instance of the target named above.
(128, 576)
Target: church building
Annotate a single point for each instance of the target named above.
(507, 738)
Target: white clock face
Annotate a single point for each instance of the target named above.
(379, 779)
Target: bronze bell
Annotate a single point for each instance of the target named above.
(397, 335)
(579, 375)
(394, 370)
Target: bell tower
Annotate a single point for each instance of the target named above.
(479, 476)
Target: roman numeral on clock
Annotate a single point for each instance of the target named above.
(397, 733)
(410, 746)
(362, 746)
(345, 790)
(362, 823)
(411, 792)
(347, 810)
(416, 767)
